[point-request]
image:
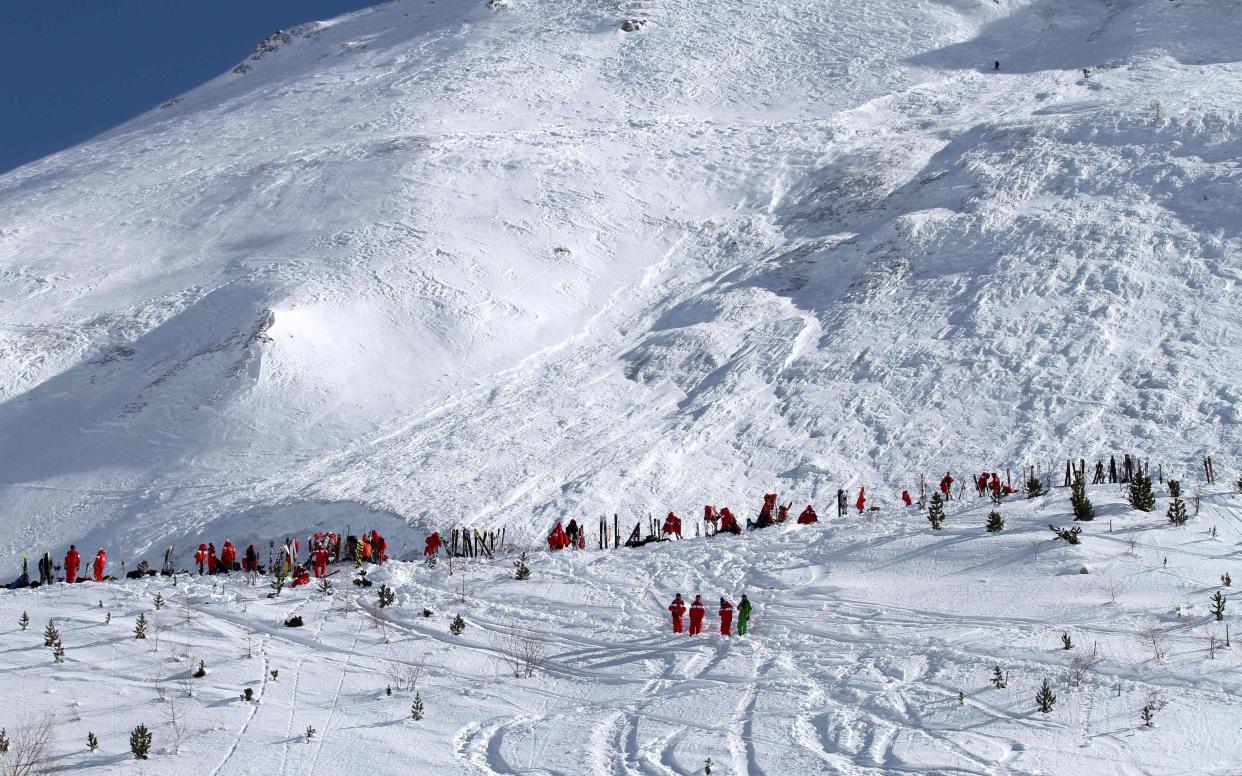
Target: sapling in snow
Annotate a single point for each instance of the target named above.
(1140, 495)
(1034, 486)
(522, 571)
(995, 523)
(999, 680)
(202, 670)
(1148, 714)
(140, 742)
(159, 602)
(325, 586)
(4, 741)
(1177, 512)
(92, 743)
(1045, 699)
(140, 627)
(935, 511)
(1066, 641)
(386, 596)
(416, 708)
(1218, 605)
(50, 634)
(24, 620)
(1084, 510)
(1226, 580)
(310, 733)
(457, 626)
(1068, 534)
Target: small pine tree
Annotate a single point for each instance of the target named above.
(1238, 484)
(998, 678)
(1175, 488)
(247, 694)
(416, 708)
(92, 743)
(325, 586)
(995, 523)
(1140, 495)
(1177, 512)
(202, 670)
(1226, 580)
(1148, 714)
(1034, 486)
(386, 596)
(140, 742)
(1044, 699)
(50, 634)
(935, 511)
(108, 619)
(522, 570)
(159, 601)
(1066, 641)
(310, 733)
(58, 652)
(140, 627)
(1068, 534)
(274, 673)
(24, 620)
(457, 626)
(1084, 510)
(1218, 605)
(4, 741)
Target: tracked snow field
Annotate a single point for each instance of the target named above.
(865, 631)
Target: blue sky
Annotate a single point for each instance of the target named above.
(70, 69)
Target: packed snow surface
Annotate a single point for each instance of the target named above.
(440, 263)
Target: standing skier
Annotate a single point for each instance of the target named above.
(710, 517)
(697, 612)
(946, 486)
(228, 556)
(72, 561)
(200, 558)
(432, 545)
(45, 569)
(320, 556)
(726, 616)
(677, 608)
(672, 525)
(251, 562)
(743, 616)
(213, 563)
(862, 500)
(842, 509)
(101, 560)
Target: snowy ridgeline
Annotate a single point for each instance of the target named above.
(877, 646)
(441, 264)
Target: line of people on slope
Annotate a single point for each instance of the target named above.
(324, 548)
(698, 610)
(73, 562)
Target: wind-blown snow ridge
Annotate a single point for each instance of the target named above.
(457, 264)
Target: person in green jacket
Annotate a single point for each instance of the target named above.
(743, 616)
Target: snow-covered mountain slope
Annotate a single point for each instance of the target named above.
(457, 264)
